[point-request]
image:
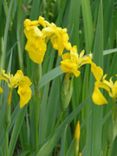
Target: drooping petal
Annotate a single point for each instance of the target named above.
(60, 40)
(36, 50)
(36, 44)
(36, 47)
(25, 94)
(58, 37)
(98, 97)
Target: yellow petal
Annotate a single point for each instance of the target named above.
(66, 56)
(114, 90)
(58, 37)
(74, 57)
(25, 94)
(42, 21)
(82, 53)
(36, 44)
(15, 80)
(84, 60)
(4, 76)
(102, 85)
(98, 97)
(28, 23)
(69, 67)
(74, 49)
(97, 71)
(77, 131)
(36, 49)
(25, 81)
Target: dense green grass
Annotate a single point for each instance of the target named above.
(43, 127)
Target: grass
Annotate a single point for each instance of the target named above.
(44, 127)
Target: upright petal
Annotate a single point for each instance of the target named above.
(114, 90)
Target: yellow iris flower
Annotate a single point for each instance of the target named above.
(71, 62)
(101, 83)
(37, 38)
(97, 97)
(22, 82)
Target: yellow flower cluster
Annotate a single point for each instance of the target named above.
(18, 80)
(102, 83)
(37, 38)
(39, 32)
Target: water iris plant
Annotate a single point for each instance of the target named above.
(58, 78)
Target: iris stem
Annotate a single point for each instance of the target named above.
(36, 109)
(76, 147)
(8, 118)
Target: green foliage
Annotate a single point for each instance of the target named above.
(43, 128)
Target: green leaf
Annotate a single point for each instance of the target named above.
(109, 51)
(50, 76)
(52, 140)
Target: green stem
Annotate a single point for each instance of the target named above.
(76, 147)
(8, 110)
(35, 108)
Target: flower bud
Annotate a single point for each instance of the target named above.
(67, 89)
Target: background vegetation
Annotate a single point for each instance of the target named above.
(43, 127)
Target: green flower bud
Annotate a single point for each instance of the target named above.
(67, 89)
